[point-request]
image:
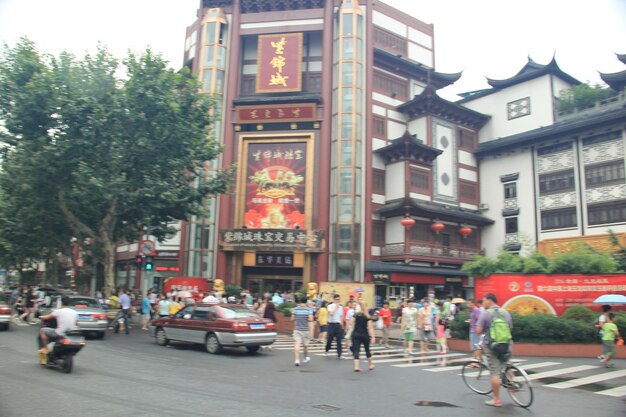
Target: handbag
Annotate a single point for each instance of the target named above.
(380, 324)
(620, 342)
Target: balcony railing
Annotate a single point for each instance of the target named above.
(421, 249)
(609, 103)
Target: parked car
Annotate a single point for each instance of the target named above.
(216, 326)
(5, 313)
(92, 319)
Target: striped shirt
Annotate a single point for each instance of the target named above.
(301, 317)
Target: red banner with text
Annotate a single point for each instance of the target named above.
(553, 294)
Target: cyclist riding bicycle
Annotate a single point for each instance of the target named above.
(498, 352)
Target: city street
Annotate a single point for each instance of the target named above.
(132, 375)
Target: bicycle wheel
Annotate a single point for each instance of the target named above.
(476, 376)
(518, 385)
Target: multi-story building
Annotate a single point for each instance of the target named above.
(350, 168)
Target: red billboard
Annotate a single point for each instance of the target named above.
(279, 63)
(196, 286)
(554, 293)
(275, 185)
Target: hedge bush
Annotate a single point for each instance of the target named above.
(575, 326)
(286, 308)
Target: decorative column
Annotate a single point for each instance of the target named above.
(346, 215)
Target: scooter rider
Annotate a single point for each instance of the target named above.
(66, 319)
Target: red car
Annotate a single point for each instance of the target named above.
(216, 326)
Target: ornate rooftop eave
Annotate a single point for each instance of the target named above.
(408, 147)
(429, 103)
(397, 63)
(615, 80)
(414, 207)
(259, 6)
(533, 70)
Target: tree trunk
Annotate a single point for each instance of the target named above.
(109, 265)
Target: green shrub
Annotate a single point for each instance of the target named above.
(459, 327)
(580, 313)
(232, 290)
(286, 308)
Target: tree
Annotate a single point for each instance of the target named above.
(582, 96)
(116, 153)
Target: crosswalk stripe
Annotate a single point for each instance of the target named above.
(443, 369)
(418, 358)
(430, 363)
(562, 371)
(614, 392)
(588, 380)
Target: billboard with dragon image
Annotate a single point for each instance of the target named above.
(275, 183)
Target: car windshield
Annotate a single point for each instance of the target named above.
(234, 312)
(83, 302)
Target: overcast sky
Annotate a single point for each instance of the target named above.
(482, 38)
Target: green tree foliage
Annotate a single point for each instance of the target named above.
(582, 96)
(582, 259)
(110, 147)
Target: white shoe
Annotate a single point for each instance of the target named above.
(306, 360)
(297, 363)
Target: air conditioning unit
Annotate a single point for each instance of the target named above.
(483, 206)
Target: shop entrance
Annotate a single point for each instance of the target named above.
(260, 284)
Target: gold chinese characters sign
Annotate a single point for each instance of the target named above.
(277, 113)
(279, 63)
(551, 247)
(271, 240)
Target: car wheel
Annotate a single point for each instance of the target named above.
(4, 327)
(253, 349)
(161, 337)
(100, 335)
(213, 345)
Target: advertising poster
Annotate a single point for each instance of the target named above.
(275, 185)
(196, 286)
(552, 294)
(344, 289)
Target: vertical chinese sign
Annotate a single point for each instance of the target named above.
(279, 63)
(275, 185)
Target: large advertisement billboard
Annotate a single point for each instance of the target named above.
(553, 294)
(275, 184)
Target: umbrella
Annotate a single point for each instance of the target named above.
(457, 300)
(616, 299)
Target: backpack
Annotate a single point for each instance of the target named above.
(499, 332)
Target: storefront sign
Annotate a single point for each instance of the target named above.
(453, 280)
(193, 285)
(275, 184)
(277, 113)
(167, 268)
(542, 293)
(167, 254)
(272, 240)
(270, 259)
(279, 63)
(381, 278)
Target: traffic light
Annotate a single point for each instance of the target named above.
(149, 265)
(138, 261)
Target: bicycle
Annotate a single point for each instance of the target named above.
(514, 379)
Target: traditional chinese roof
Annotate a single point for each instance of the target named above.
(408, 147)
(429, 103)
(379, 266)
(258, 6)
(396, 63)
(616, 80)
(529, 72)
(560, 129)
(421, 208)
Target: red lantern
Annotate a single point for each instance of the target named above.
(465, 231)
(437, 227)
(407, 222)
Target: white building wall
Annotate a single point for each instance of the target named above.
(394, 181)
(419, 127)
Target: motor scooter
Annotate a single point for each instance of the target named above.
(63, 351)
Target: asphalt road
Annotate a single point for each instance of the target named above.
(132, 376)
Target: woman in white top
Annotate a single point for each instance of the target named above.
(408, 324)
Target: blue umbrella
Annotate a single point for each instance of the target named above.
(615, 299)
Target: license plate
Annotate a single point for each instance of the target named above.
(257, 326)
(84, 317)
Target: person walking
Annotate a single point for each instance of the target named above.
(425, 324)
(302, 316)
(610, 334)
(163, 306)
(362, 334)
(474, 306)
(124, 300)
(602, 320)
(495, 361)
(349, 311)
(335, 325)
(146, 311)
(385, 315)
(322, 321)
(408, 324)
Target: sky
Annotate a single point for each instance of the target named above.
(482, 38)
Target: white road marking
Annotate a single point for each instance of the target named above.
(588, 380)
(562, 371)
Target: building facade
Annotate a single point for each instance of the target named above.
(329, 109)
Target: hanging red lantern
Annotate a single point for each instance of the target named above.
(465, 231)
(407, 222)
(437, 227)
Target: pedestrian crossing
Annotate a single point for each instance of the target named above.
(611, 383)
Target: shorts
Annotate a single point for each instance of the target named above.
(474, 339)
(323, 328)
(146, 316)
(496, 363)
(408, 336)
(426, 335)
(300, 336)
(52, 335)
(609, 347)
